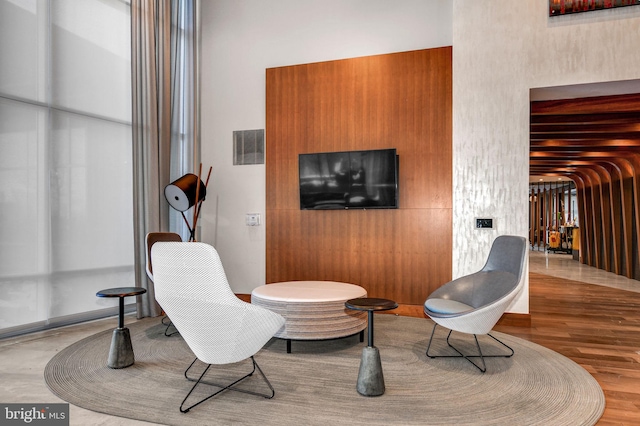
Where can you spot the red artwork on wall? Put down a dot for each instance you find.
(563, 7)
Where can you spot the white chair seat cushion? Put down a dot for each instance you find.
(446, 306)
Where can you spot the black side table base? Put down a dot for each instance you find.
(370, 377)
(121, 352)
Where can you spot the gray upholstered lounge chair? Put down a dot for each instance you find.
(218, 327)
(474, 303)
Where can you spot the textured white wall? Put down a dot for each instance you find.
(501, 50)
(241, 39)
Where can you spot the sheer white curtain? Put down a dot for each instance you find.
(65, 160)
(165, 118)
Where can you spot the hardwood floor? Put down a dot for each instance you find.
(598, 328)
(595, 326)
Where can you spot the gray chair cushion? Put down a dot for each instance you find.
(446, 306)
(477, 290)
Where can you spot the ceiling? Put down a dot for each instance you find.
(584, 130)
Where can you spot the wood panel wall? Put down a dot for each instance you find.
(400, 100)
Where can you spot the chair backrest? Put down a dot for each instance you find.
(192, 288)
(152, 238)
(502, 273)
(508, 253)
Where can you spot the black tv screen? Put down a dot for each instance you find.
(349, 180)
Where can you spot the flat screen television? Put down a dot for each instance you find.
(349, 180)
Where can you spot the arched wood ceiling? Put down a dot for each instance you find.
(595, 141)
(571, 137)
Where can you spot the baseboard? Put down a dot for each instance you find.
(515, 320)
(66, 320)
(245, 297)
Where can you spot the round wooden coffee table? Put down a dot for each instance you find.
(313, 310)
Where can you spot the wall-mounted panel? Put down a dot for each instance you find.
(400, 100)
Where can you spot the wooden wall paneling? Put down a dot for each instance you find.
(605, 213)
(577, 181)
(596, 216)
(545, 214)
(542, 221)
(558, 207)
(587, 244)
(584, 211)
(630, 165)
(614, 105)
(617, 217)
(635, 161)
(542, 235)
(532, 216)
(548, 213)
(533, 203)
(569, 206)
(553, 207)
(400, 100)
(626, 188)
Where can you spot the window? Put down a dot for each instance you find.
(65, 159)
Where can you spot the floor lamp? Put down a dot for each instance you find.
(186, 192)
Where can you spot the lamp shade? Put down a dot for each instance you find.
(181, 194)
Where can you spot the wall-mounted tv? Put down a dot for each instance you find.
(349, 180)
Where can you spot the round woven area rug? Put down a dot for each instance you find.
(316, 383)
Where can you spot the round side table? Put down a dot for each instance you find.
(121, 351)
(370, 377)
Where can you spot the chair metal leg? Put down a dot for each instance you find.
(223, 387)
(468, 357)
(166, 330)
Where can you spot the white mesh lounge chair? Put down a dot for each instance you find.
(150, 240)
(219, 328)
(473, 304)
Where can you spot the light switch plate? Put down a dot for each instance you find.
(484, 223)
(252, 219)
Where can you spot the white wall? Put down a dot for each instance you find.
(241, 39)
(501, 50)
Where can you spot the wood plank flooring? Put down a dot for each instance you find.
(598, 328)
(595, 326)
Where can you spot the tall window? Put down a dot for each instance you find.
(184, 57)
(65, 159)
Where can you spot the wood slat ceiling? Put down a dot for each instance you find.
(573, 137)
